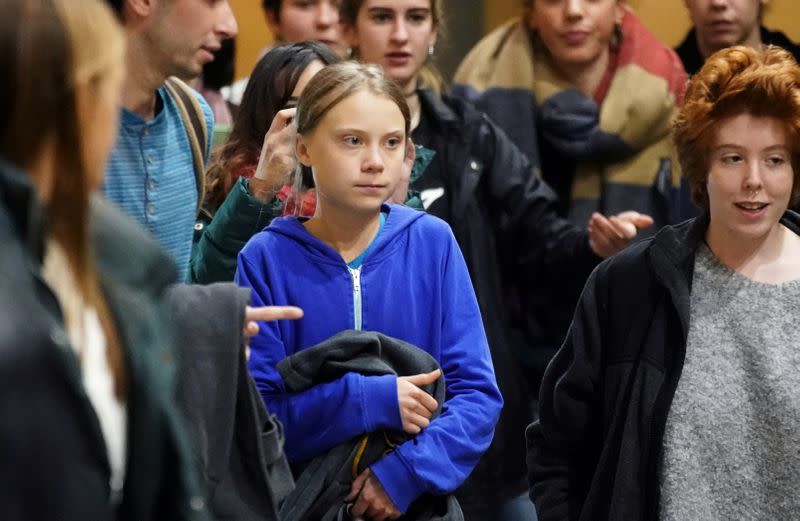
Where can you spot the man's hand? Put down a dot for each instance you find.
(369, 499)
(608, 236)
(276, 163)
(416, 406)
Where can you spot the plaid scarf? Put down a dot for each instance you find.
(619, 150)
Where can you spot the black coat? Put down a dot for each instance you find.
(595, 452)
(505, 222)
(53, 462)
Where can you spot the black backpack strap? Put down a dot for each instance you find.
(194, 122)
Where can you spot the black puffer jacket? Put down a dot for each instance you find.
(595, 452)
(504, 219)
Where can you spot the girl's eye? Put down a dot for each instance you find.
(731, 158)
(393, 142)
(382, 17)
(352, 140)
(775, 160)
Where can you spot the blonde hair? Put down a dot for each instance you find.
(50, 49)
(336, 82)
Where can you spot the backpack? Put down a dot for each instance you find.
(194, 122)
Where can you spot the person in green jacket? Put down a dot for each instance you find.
(245, 180)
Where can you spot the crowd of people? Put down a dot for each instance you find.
(556, 287)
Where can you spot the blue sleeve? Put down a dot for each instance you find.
(327, 414)
(440, 458)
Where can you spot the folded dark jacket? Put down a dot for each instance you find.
(324, 482)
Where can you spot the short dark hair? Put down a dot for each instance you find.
(273, 6)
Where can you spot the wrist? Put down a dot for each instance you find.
(262, 189)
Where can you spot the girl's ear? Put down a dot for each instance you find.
(301, 151)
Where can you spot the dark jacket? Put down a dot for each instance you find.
(238, 444)
(53, 459)
(689, 52)
(325, 480)
(595, 452)
(504, 219)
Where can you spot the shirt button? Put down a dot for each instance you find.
(151, 184)
(150, 160)
(151, 209)
(145, 132)
(474, 165)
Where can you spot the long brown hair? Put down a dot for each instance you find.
(268, 91)
(48, 49)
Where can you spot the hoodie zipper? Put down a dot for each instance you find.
(355, 274)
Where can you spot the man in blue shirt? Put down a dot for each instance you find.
(150, 173)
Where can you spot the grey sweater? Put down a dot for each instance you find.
(732, 440)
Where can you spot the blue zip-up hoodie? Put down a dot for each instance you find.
(413, 285)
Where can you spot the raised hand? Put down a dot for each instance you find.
(277, 162)
(416, 406)
(609, 235)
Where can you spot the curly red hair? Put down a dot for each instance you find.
(734, 81)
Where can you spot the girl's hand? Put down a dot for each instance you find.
(369, 498)
(416, 406)
(277, 163)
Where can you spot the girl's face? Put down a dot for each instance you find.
(394, 34)
(356, 153)
(575, 32)
(750, 177)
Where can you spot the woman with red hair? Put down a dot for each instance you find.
(675, 393)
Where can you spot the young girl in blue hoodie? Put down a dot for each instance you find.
(361, 264)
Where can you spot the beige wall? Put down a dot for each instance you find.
(667, 18)
(253, 34)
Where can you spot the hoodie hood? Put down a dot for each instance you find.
(398, 219)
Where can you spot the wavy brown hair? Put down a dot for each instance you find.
(733, 81)
(268, 91)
